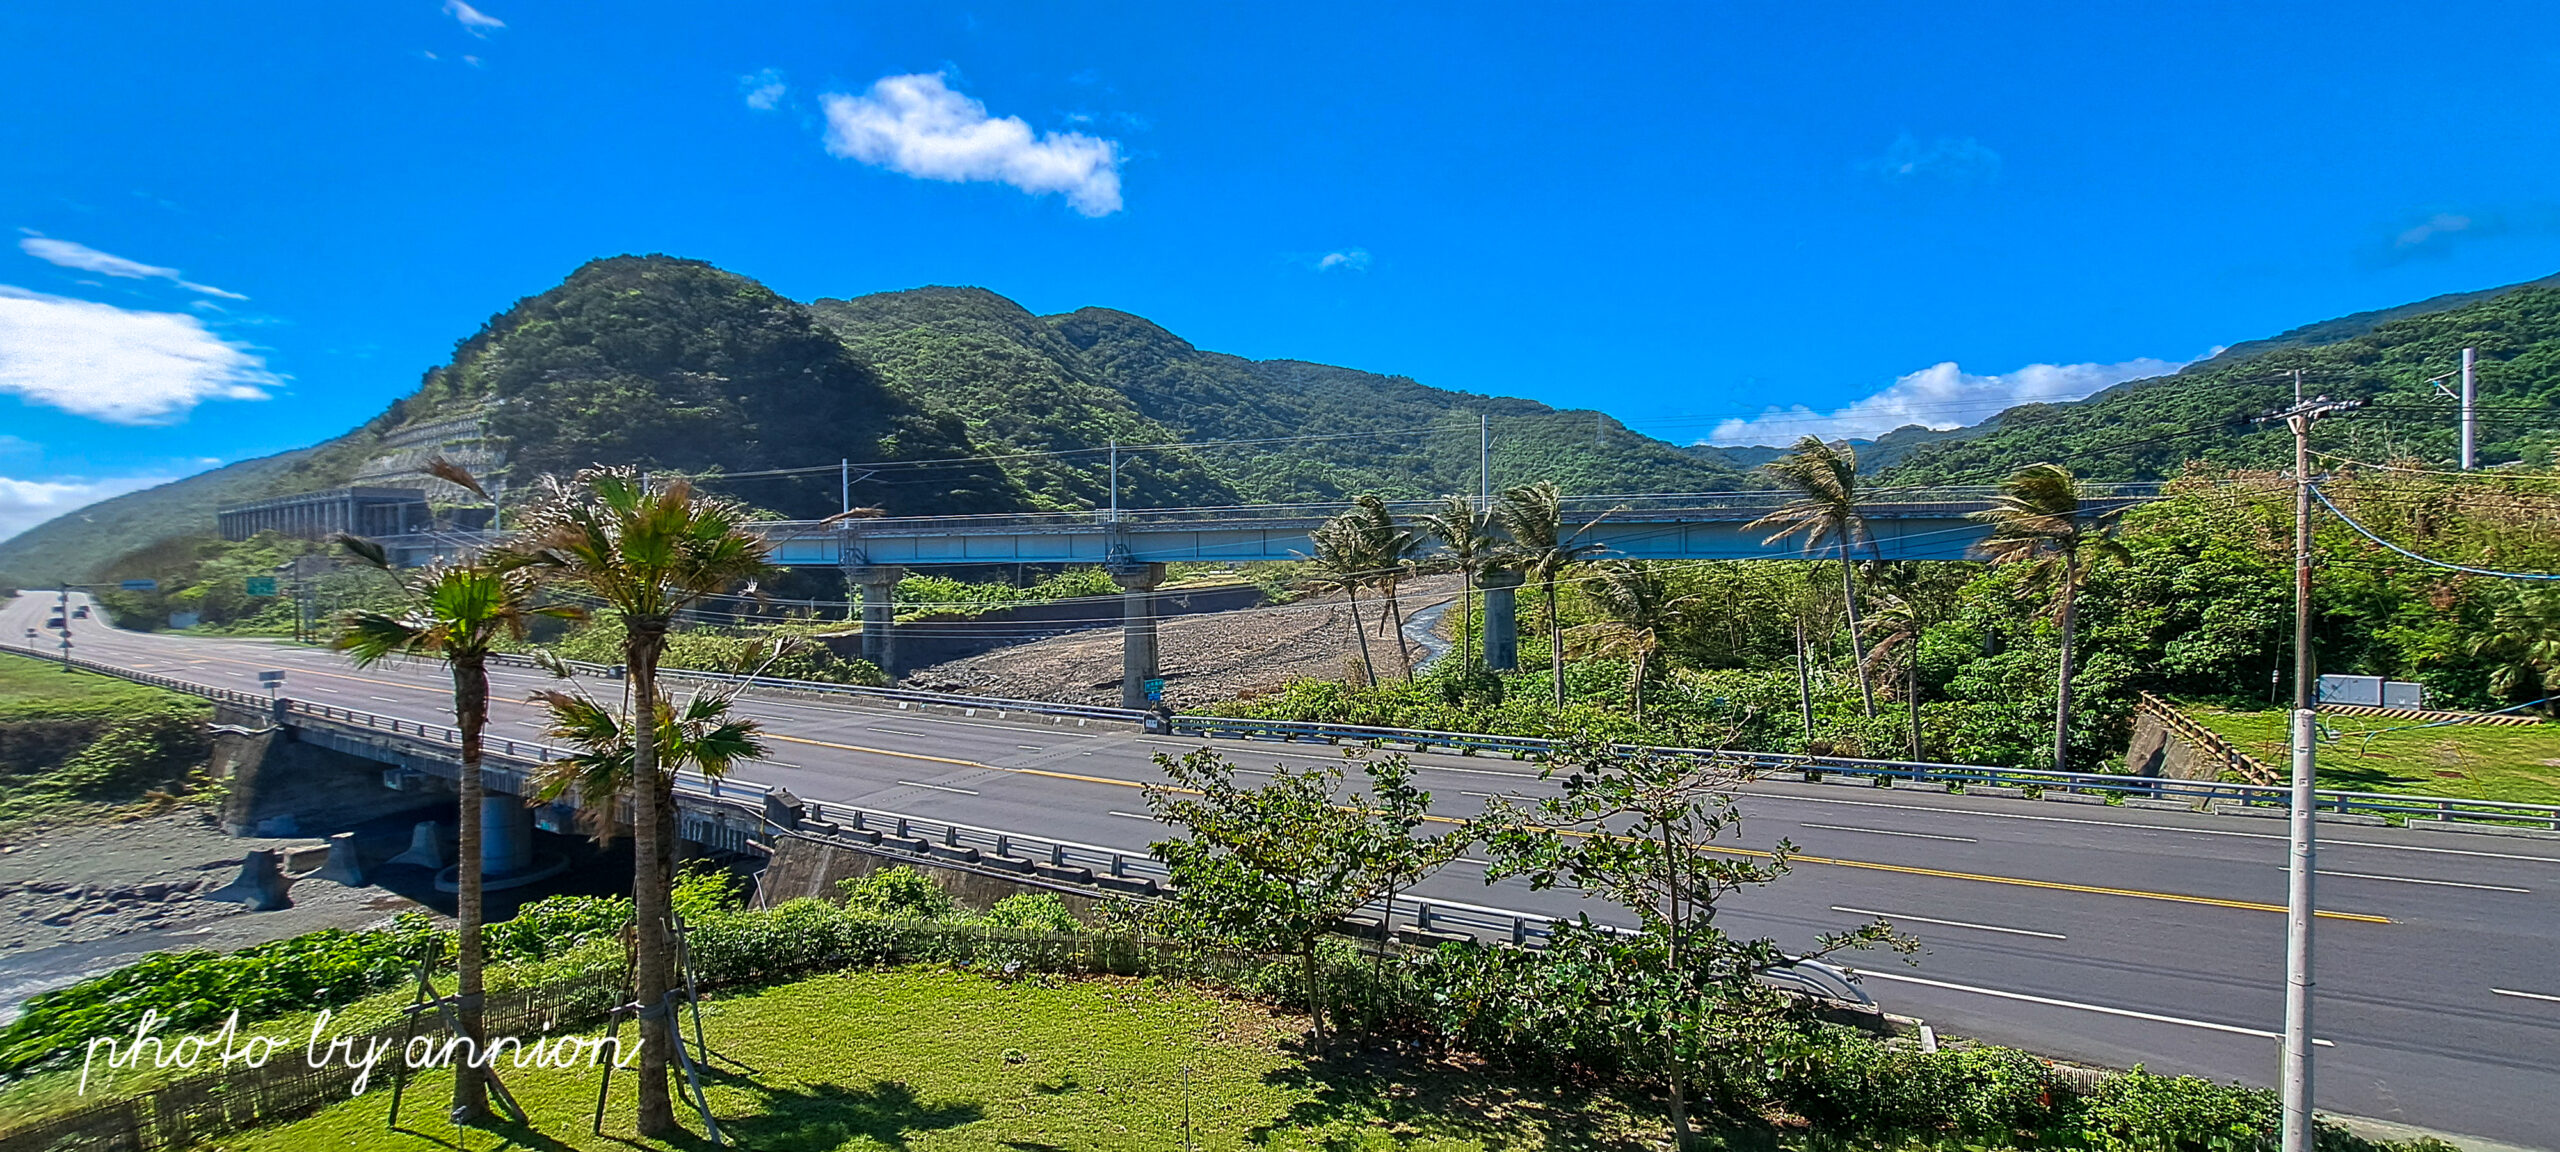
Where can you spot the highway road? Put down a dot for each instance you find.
(2109, 935)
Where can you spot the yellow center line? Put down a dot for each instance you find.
(1904, 869)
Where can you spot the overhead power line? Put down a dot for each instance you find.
(2369, 534)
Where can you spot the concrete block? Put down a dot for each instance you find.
(343, 865)
(1133, 885)
(1064, 873)
(1995, 790)
(2161, 805)
(955, 852)
(285, 825)
(906, 844)
(1007, 864)
(426, 847)
(261, 884)
(2470, 829)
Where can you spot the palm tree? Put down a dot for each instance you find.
(701, 735)
(1342, 565)
(2037, 522)
(1825, 475)
(1897, 627)
(1390, 548)
(457, 614)
(648, 551)
(1533, 516)
(1472, 539)
(1640, 607)
(2522, 641)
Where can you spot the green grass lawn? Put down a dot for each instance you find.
(926, 1059)
(2472, 761)
(37, 689)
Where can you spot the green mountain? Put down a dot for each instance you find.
(2149, 429)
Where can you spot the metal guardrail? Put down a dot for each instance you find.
(2201, 794)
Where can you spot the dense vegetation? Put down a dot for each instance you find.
(69, 741)
(2199, 607)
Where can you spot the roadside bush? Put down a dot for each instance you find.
(2139, 1112)
(1032, 912)
(899, 893)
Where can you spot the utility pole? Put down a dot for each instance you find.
(2303, 843)
(847, 482)
(2470, 410)
(1484, 456)
(1115, 480)
(63, 613)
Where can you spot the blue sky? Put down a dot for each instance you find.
(235, 229)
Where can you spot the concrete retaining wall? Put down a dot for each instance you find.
(270, 777)
(2158, 752)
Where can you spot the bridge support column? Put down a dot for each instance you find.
(1501, 620)
(506, 836)
(1137, 630)
(879, 612)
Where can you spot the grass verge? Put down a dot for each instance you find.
(2473, 761)
(922, 1058)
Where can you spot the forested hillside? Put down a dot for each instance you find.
(1074, 382)
(2150, 429)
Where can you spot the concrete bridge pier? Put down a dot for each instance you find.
(1501, 619)
(1137, 629)
(879, 584)
(506, 835)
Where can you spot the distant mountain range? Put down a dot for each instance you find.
(960, 400)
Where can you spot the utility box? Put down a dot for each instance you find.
(2372, 692)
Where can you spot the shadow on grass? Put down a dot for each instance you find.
(811, 1117)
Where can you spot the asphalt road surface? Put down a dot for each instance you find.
(2108, 935)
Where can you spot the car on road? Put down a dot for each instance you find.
(53, 622)
(80, 613)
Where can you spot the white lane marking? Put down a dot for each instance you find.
(389, 700)
(331, 691)
(937, 787)
(894, 731)
(1135, 815)
(1898, 916)
(1890, 832)
(2415, 880)
(1029, 747)
(1870, 974)
(2526, 995)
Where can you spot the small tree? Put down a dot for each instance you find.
(1476, 545)
(1279, 867)
(1637, 606)
(1635, 827)
(1389, 547)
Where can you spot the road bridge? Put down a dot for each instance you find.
(2111, 935)
(1135, 546)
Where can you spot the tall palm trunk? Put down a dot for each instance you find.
(1857, 642)
(1555, 639)
(1804, 680)
(650, 903)
(1467, 622)
(2068, 619)
(1395, 612)
(471, 715)
(1911, 693)
(1360, 631)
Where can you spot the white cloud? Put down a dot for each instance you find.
(87, 259)
(764, 89)
(124, 367)
(27, 503)
(473, 20)
(1355, 259)
(1941, 396)
(918, 126)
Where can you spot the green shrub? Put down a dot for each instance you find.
(138, 751)
(1032, 912)
(2140, 1112)
(899, 893)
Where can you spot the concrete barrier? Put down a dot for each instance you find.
(343, 865)
(426, 847)
(261, 884)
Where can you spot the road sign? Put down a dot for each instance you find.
(270, 679)
(1155, 689)
(140, 585)
(262, 585)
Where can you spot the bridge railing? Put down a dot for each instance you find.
(1881, 502)
(902, 697)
